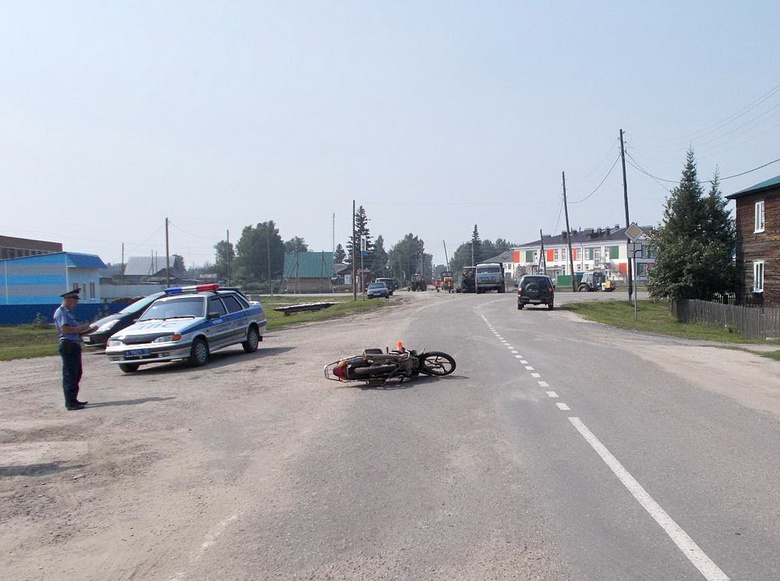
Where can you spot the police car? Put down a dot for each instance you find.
(188, 323)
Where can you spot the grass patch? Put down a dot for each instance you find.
(22, 341)
(345, 306)
(652, 317)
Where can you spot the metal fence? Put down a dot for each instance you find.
(752, 322)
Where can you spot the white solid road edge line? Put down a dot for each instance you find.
(685, 543)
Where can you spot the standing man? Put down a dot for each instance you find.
(70, 348)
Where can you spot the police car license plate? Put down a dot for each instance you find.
(137, 352)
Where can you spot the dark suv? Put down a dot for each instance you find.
(535, 289)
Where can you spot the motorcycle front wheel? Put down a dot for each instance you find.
(436, 363)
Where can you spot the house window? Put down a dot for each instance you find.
(758, 276)
(759, 218)
(556, 255)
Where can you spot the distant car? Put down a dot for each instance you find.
(114, 323)
(188, 323)
(377, 289)
(535, 289)
(390, 283)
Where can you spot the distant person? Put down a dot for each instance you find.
(70, 348)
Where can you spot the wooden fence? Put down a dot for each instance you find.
(750, 322)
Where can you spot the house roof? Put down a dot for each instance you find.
(144, 266)
(308, 264)
(74, 259)
(506, 256)
(586, 236)
(758, 188)
(85, 260)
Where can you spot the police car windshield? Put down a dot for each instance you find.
(189, 307)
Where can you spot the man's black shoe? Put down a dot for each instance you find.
(81, 402)
(75, 407)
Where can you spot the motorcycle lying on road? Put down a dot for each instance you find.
(375, 366)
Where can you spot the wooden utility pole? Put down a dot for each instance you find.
(628, 222)
(167, 257)
(227, 258)
(568, 232)
(354, 256)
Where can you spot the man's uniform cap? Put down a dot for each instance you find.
(74, 294)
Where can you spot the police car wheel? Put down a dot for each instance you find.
(129, 367)
(252, 339)
(199, 354)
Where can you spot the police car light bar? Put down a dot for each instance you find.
(177, 290)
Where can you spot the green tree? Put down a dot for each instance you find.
(356, 245)
(178, 264)
(379, 258)
(224, 259)
(476, 245)
(254, 249)
(407, 257)
(296, 244)
(339, 255)
(693, 245)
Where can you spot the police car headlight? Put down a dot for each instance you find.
(114, 343)
(167, 338)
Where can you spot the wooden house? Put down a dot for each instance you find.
(758, 243)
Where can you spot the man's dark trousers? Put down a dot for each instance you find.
(71, 371)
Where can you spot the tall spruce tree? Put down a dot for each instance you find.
(361, 231)
(693, 245)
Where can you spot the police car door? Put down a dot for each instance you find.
(237, 312)
(219, 327)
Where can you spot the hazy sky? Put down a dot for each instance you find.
(433, 115)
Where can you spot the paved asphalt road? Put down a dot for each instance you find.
(559, 449)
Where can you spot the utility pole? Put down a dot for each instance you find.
(354, 256)
(268, 259)
(167, 257)
(568, 232)
(227, 258)
(628, 222)
(542, 255)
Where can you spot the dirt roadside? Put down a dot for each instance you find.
(113, 491)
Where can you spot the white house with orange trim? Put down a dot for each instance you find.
(604, 249)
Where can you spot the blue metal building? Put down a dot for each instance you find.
(40, 280)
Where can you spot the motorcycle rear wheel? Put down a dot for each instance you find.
(436, 363)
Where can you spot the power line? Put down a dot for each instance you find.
(601, 183)
(635, 164)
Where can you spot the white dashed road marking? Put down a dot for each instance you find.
(685, 543)
(689, 548)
